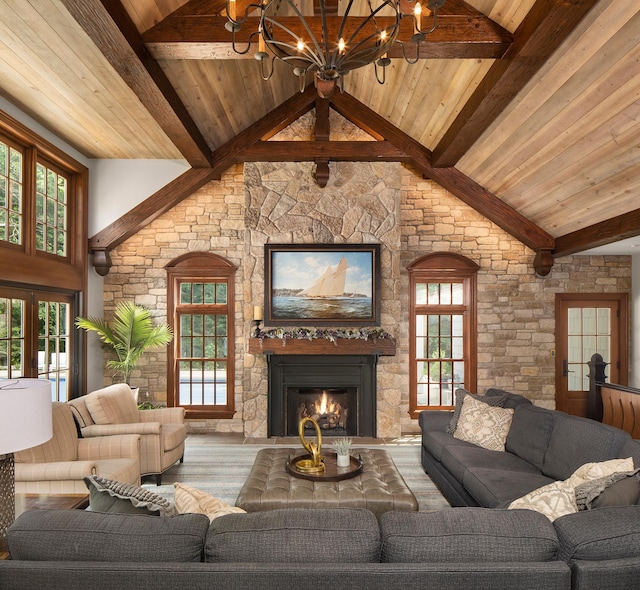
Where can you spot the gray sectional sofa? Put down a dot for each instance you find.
(478, 545)
(601, 545)
(542, 446)
(297, 549)
(338, 548)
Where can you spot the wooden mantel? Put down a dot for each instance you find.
(378, 346)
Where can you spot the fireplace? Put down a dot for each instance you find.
(335, 409)
(339, 391)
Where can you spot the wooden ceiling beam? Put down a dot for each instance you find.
(192, 32)
(109, 26)
(546, 26)
(612, 230)
(292, 109)
(451, 179)
(334, 151)
(322, 130)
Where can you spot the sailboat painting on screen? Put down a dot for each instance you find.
(322, 285)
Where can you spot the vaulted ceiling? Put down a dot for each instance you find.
(528, 110)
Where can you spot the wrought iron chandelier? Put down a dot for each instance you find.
(339, 44)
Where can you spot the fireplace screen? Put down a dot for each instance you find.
(334, 409)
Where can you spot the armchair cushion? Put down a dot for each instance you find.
(173, 436)
(112, 405)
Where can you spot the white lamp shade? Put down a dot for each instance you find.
(25, 414)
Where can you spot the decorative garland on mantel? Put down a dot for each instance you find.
(330, 334)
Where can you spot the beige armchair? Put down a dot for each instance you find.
(58, 466)
(113, 410)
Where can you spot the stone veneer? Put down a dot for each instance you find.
(386, 203)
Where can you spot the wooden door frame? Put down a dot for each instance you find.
(623, 334)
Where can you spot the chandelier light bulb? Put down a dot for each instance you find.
(333, 45)
(231, 9)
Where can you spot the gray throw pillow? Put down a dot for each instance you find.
(616, 490)
(494, 400)
(107, 495)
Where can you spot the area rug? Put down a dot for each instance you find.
(221, 469)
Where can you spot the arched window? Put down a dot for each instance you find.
(442, 330)
(201, 312)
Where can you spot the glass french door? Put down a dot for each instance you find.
(36, 337)
(587, 324)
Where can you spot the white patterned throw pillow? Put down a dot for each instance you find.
(483, 425)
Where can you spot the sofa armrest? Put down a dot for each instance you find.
(163, 415)
(124, 446)
(55, 471)
(435, 420)
(599, 534)
(128, 428)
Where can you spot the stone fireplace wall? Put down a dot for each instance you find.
(386, 203)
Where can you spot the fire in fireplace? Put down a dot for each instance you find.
(326, 410)
(334, 409)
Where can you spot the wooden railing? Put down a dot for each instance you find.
(616, 405)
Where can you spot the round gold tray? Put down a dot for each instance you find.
(331, 470)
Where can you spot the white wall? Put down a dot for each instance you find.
(116, 186)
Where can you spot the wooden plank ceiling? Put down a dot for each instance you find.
(528, 110)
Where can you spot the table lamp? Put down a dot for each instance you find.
(25, 422)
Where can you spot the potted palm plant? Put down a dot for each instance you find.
(128, 335)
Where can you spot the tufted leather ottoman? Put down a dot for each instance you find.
(379, 487)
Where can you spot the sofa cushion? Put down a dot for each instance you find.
(464, 535)
(189, 499)
(338, 535)
(483, 425)
(498, 487)
(461, 395)
(605, 534)
(436, 442)
(106, 495)
(79, 535)
(112, 405)
(530, 432)
(457, 459)
(576, 441)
